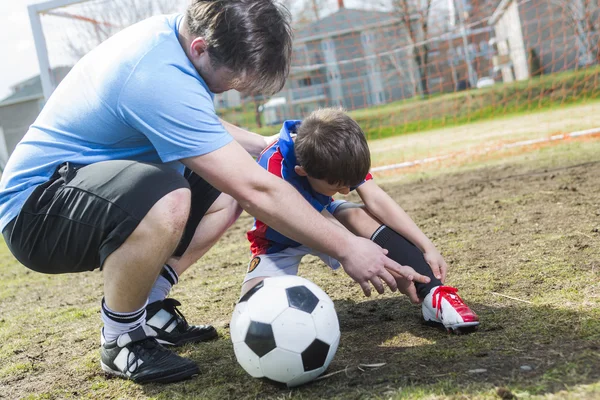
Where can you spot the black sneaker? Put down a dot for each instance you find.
(171, 326)
(138, 356)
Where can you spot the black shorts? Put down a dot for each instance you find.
(73, 222)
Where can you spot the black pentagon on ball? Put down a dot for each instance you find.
(315, 355)
(301, 298)
(260, 338)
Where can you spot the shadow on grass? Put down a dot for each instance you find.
(525, 348)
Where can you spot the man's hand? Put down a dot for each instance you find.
(368, 265)
(437, 263)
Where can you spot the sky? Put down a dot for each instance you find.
(18, 60)
(17, 51)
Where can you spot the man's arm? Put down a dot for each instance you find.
(276, 203)
(386, 210)
(252, 142)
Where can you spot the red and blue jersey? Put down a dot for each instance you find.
(280, 159)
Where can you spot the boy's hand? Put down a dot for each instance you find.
(437, 263)
(408, 288)
(367, 263)
(269, 140)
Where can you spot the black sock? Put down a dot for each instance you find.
(405, 253)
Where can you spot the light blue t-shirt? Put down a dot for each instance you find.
(135, 97)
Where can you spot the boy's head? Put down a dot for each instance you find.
(331, 151)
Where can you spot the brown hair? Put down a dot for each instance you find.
(252, 38)
(331, 146)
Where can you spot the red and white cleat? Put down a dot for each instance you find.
(443, 306)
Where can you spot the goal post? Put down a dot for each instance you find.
(41, 48)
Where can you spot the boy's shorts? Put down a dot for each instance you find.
(285, 262)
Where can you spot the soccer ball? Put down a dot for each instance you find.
(285, 329)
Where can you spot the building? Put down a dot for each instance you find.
(563, 34)
(229, 99)
(358, 58)
(19, 110)
(351, 58)
(461, 56)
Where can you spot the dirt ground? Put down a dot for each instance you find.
(521, 234)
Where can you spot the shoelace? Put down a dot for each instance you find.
(141, 351)
(448, 293)
(170, 305)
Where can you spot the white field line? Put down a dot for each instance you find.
(487, 150)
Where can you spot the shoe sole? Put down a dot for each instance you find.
(169, 378)
(211, 335)
(465, 327)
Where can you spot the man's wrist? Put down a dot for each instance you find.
(345, 248)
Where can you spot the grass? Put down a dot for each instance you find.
(522, 223)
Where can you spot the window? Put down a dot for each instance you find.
(305, 82)
(483, 47)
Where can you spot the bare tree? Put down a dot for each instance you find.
(415, 16)
(583, 16)
(96, 22)
(309, 11)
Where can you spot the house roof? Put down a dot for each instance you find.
(343, 20)
(32, 88)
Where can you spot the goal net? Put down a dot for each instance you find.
(400, 66)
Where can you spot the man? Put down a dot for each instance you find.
(99, 182)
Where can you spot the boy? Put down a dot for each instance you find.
(328, 155)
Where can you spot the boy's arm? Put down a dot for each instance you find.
(252, 142)
(386, 210)
(275, 202)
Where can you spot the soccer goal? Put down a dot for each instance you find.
(65, 30)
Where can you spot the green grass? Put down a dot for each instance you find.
(457, 109)
(547, 92)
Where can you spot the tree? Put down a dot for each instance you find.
(96, 22)
(418, 33)
(583, 16)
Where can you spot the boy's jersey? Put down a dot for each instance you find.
(280, 159)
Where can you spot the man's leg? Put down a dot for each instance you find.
(212, 212)
(129, 346)
(130, 271)
(219, 217)
(126, 217)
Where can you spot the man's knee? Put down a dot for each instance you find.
(169, 215)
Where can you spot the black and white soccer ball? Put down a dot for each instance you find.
(285, 329)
